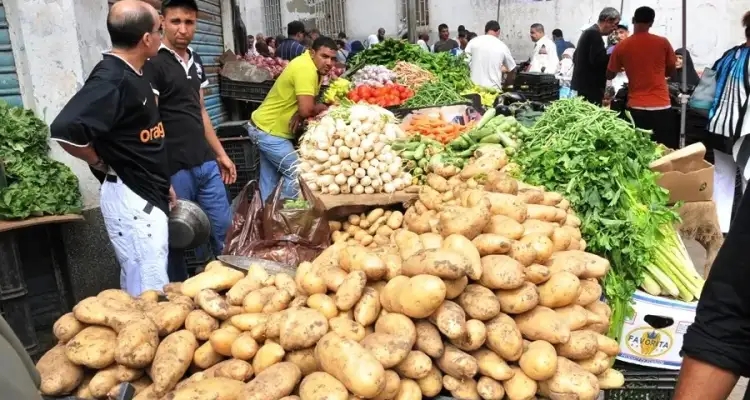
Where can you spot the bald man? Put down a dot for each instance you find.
(113, 124)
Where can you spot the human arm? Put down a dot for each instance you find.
(91, 113)
(614, 66)
(509, 67)
(305, 82)
(597, 53)
(716, 346)
(671, 58)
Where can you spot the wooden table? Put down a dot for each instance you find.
(342, 205)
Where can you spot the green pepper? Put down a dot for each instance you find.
(494, 138)
(419, 152)
(458, 144)
(407, 155)
(478, 134)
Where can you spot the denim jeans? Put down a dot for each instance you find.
(278, 159)
(203, 185)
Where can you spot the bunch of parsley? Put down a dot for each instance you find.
(600, 163)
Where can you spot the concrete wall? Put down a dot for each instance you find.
(713, 25)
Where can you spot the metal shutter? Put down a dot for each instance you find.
(209, 43)
(10, 90)
(330, 17)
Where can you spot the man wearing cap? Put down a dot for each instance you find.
(291, 47)
(198, 165)
(113, 124)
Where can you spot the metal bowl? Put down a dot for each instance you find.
(189, 226)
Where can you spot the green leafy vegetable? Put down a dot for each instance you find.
(296, 204)
(435, 94)
(600, 163)
(37, 185)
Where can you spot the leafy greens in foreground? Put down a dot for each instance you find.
(37, 185)
(600, 163)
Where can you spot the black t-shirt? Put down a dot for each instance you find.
(115, 111)
(590, 60)
(178, 85)
(445, 45)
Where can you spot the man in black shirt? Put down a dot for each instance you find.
(291, 47)
(113, 124)
(716, 347)
(590, 59)
(198, 165)
(444, 43)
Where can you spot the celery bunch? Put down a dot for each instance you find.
(672, 271)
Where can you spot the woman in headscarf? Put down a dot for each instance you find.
(684, 60)
(729, 118)
(357, 46)
(565, 73)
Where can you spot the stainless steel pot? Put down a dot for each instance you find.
(189, 226)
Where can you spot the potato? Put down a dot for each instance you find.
(466, 248)
(92, 347)
(324, 304)
(117, 295)
(419, 223)
(58, 375)
(216, 277)
(180, 298)
(450, 319)
(520, 386)
(274, 383)
(476, 333)
(431, 240)
(213, 388)
(395, 220)
(201, 324)
(591, 291)
(545, 213)
(539, 361)
(320, 385)
(531, 196)
(607, 345)
(491, 243)
(582, 345)
(542, 323)
(570, 380)
(454, 287)
(397, 324)
(457, 363)
(254, 279)
(304, 359)
(611, 379)
(420, 296)
(519, 300)
(428, 339)
(358, 258)
(393, 264)
(169, 316)
(500, 182)
(541, 244)
(409, 390)
(346, 328)
(301, 328)
(597, 364)
(537, 274)
(350, 363)
(244, 347)
(504, 338)
(501, 272)
(507, 205)
(445, 264)
(172, 360)
(431, 384)
(416, 365)
(104, 380)
(490, 364)
(205, 356)
(66, 327)
(269, 354)
(561, 239)
(408, 243)
(368, 307)
(504, 226)
(522, 252)
(312, 282)
(464, 221)
(535, 226)
(600, 308)
(575, 316)
(279, 301)
(222, 339)
(490, 389)
(560, 290)
(333, 277)
(233, 369)
(214, 304)
(584, 265)
(461, 389)
(389, 350)
(350, 290)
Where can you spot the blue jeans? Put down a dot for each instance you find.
(203, 185)
(278, 159)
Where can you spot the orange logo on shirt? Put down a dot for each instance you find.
(157, 132)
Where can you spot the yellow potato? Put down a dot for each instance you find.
(92, 347)
(350, 290)
(324, 304)
(58, 375)
(268, 355)
(457, 363)
(542, 323)
(416, 365)
(570, 380)
(428, 339)
(501, 272)
(431, 384)
(504, 226)
(582, 345)
(539, 361)
(275, 382)
(504, 337)
(304, 359)
(351, 364)
(66, 327)
(409, 390)
(209, 388)
(465, 247)
(215, 277)
(392, 385)
(301, 328)
(367, 309)
(244, 347)
(465, 388)
(519, 386)
(397, 324)
(205, 356)
(221, 340)
(490, 364)
(445, 264)
(201, 324)
(562, 289)
(491, 243)
(172, 360)
(454, 287)
(389, 350)
(320, 385)
(490, 389)
(450, 319)
(347, 328)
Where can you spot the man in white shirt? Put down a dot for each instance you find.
(490, 58)
(372, 40)
(544, 57)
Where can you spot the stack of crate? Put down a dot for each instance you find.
(537, 86)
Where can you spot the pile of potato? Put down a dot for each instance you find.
(483, 292)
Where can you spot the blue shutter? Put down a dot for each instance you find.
(10, 90)
(209, 43)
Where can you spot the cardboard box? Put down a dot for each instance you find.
(686, 175)
(653, 336)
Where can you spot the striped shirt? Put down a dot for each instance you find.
(288, 49)
(729, 115)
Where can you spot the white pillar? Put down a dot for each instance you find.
(56, 44)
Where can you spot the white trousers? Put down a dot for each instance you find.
(140, 238)
(725, 173)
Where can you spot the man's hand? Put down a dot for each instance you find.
(227, 169)
(172, 198)
(294, 123)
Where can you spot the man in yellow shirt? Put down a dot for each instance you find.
(290, 101)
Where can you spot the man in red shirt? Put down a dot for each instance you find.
(647, 59)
